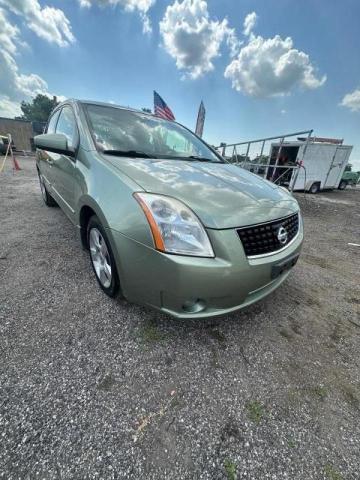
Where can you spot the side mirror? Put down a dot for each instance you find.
(53, 142)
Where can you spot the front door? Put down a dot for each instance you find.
(64, 166)
(46, 157)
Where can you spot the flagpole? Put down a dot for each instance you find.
(200, 120)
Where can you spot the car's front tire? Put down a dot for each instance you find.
(48, 199)
(102, 258)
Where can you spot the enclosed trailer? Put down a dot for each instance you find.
(322, 164)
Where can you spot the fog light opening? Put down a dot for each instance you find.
(194, 306)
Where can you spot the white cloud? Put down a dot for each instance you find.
(9, 34)
(14, 85)
(192, 38)
(249, 23)
(48, 23)
(260, 68)
(9, 108)
(131, 5)
(271, 67)
(140, 6)
(352, 100)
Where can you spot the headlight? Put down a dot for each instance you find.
(175, 228)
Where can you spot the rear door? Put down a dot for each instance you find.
(337, 167)
(317, 161)
(64, 166)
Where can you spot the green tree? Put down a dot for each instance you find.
(147, 110)
(39, 109)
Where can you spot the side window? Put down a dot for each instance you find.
(67, 126)
(52, 123)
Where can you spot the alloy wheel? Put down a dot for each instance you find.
(100, 257)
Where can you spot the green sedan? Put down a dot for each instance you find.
(167, 221)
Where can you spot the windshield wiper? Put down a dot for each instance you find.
(201, 159)
(128, 153)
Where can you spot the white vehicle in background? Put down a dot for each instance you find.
(296, 162)
(322, 161)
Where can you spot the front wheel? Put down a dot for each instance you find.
(102, 258)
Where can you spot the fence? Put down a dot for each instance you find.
(250, 155)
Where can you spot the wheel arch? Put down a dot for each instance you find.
(87, 209)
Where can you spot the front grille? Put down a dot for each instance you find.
(263, 238)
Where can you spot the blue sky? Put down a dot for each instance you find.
(293, 66)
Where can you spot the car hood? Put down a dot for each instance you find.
(221, 194)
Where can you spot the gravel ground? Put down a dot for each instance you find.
(97, 388)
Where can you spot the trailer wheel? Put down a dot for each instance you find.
(342, 185)
(315, 187)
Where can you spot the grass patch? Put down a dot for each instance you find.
(215, 358)
(337, 334)
(294, 397)
(107, 383)
(256, 411)
(286, 334)
(351, 395)
(217, 335)
(176, 402)
(150, 333)
(319, 392)
(291, 442)
(230, 469)
(296, 328)
(331, 473)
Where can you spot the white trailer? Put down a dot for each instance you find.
(322, 164)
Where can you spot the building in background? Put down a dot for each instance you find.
(22, 132)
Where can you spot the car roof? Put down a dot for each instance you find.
(103, 104)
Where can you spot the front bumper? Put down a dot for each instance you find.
(221, 285)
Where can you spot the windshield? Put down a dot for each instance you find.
(123, 131)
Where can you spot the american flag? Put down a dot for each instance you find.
(161, 109)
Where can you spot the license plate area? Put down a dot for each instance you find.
(284, 266)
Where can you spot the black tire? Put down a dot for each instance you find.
(113, 288)
(315, 188)
(342, 185)
(48, 199)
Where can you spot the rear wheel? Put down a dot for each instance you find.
(102, 258)
(343, 185)
(48, 199)
(315, 187)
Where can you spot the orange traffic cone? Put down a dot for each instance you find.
(16, 163)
